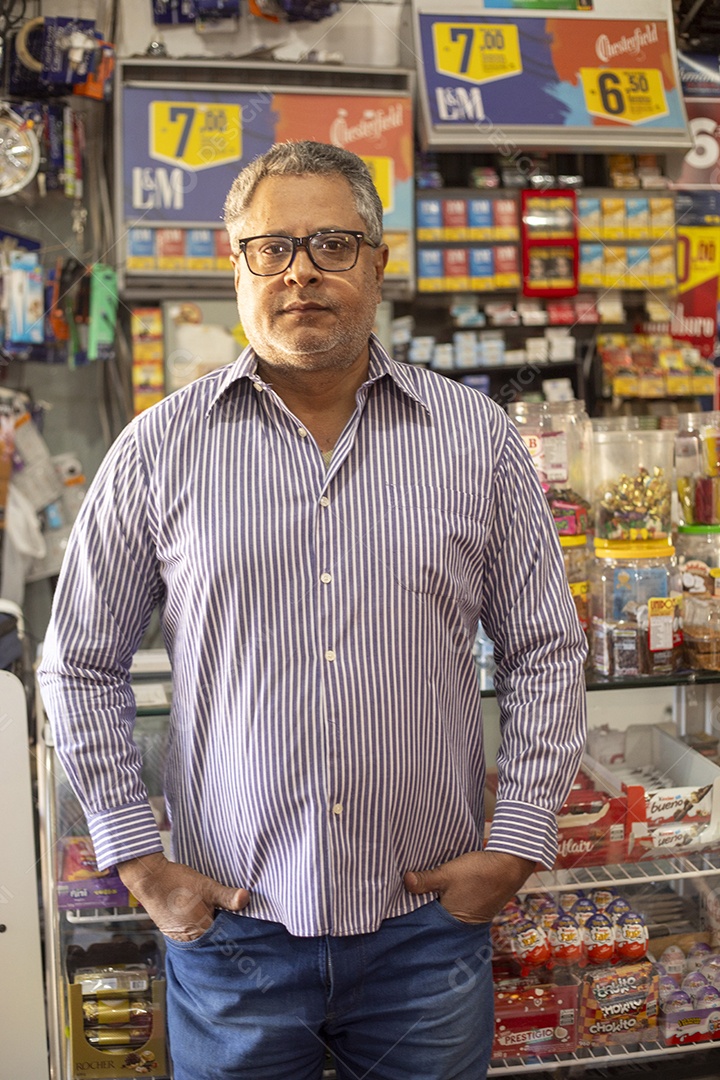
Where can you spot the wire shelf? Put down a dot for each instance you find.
(591, 1057)
(700, 864)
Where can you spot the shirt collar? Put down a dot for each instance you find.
(380, 366)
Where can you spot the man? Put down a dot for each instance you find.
(322, 529)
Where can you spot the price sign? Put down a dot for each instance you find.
(383, 174)
(626, 95)
(477, 52)
(195, 135)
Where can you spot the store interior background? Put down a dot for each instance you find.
(87, 407)
(90, 405)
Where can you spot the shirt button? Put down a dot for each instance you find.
(324, 501)
(329, 655)
(302, 432)
(258, 387)
(326, 578)
(337, 808)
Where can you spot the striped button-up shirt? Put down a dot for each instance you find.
(326, 727)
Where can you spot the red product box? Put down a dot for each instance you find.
(561, 312)
(455, 214)
(618, 1005)
(535, 1015)
(223, 250)
(506, 259)
(170, 248)
(593, 822)
(506, 220)
(456, 268)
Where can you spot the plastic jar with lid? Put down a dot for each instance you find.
(633, 483)
(697, 467)
(698, 551)
(635, 609)
(575, 557)
(558, 436)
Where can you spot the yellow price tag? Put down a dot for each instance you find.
(477, 52)
(382, 170)
(196, 135)
(628, 95)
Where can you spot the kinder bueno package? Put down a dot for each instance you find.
(618, 1005)
(535, 1015)
(673, 791)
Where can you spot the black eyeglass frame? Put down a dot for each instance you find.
(302, 242)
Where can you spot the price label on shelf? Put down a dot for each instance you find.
(477, 52)
(626, 95)
(195, 135)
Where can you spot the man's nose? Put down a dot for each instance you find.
(302, 269)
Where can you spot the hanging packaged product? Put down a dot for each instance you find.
(558, 437)
(698, 550)
(635, 601)
(697, 462)
(633, 475)
(574, 552)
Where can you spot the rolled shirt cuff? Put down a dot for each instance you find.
(525, 830)
(123, 833)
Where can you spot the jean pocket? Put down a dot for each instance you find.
(448, 917)
(209, 935)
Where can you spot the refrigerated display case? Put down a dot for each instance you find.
(104, 956)
(678, 894)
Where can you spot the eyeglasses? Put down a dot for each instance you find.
(329, 249)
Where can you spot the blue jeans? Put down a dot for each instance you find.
(412, 1001)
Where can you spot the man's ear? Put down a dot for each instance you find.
(382, 254)
(235, 260)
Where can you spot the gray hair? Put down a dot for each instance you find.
(302, 159)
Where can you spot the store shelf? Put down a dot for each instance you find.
(636, 682)
(698, 864)
(589, 1057)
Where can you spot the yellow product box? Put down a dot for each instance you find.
(638, 267)
(662, 216)
(662, 266)
(652, 384)
(613, 218)
(703, 383)
(400, 257)
(592, 265)
(134, 1050)
(589, 217)
(637, 219)
(147, 352)
(679, 383)
(146, 322)
(626, 385)
(615, 269)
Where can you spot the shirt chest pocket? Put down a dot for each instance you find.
(434, 539)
